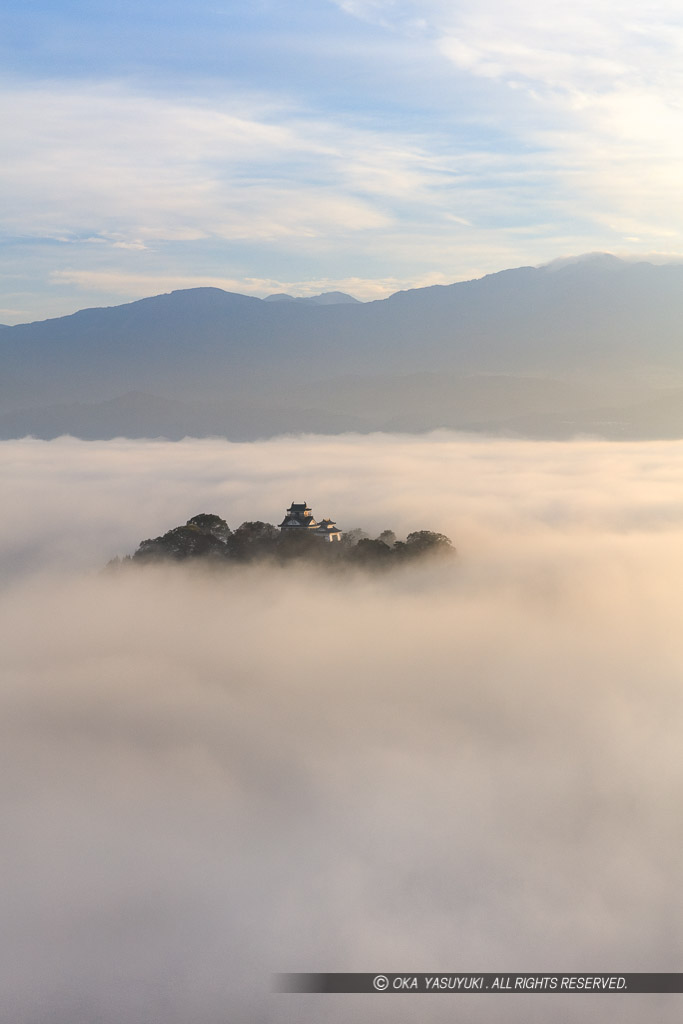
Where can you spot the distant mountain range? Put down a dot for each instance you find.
(326, 299)
(587, 346)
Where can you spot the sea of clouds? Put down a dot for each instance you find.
(208, 777)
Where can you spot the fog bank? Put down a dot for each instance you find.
(209, 777)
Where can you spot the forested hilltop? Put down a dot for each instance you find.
(209, 538)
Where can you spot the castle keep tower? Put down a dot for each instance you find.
(300, 517)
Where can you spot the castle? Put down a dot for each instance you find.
(300, 517)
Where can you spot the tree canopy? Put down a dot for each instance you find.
(209, 538)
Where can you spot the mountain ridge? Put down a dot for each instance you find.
(609, 329)
(562, 263)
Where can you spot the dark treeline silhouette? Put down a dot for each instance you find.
(209, 538)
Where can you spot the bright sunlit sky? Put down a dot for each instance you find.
(361, 145)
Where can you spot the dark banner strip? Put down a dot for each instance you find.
(470, 984)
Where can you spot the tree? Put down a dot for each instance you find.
(252, 540)
(371, 553)
(423, 542)
(351, 537)
(301, 544)
(212, 525)
(181, 543)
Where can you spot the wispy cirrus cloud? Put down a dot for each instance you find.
(594, 88)
(585, 48)
(110, 161)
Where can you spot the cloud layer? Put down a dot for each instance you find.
(209, 778)
(387, 143)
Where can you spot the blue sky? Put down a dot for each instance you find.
(365, 145)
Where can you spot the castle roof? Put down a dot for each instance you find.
(299, 516)
(328, 526)
(299, 506)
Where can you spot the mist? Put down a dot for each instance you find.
(212, 776)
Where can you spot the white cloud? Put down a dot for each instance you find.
(138, 168)
(596, 93)
(208, 778)
(557, 131)
(136, 172)
(132, 284)
(581, 48)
